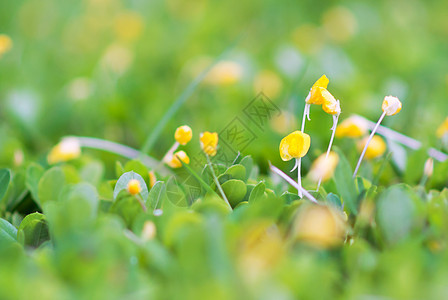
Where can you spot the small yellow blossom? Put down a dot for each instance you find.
(183, 134)
(376, 147)
(391, 105)
(320, 226)
(294, 145)
(5, 44)
(323, 167)
(134, 187)
(174, 161)
(352, 127)
(69, 148)
(331, 105)
(443, 129)
(315, 95)
(209, 142)
(269, 83)
(225, 73)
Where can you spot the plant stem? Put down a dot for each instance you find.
(367, 144)
(333, 129)
(215, 179)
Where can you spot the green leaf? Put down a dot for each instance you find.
(8, 233)
(157, 196)
(92, 172)
(345, 184)
(235, 190)
(257, 193)
(198, 178)
(33, 230)
(34, 173)
(5, 178)
(122, 184)
(237, 172)
(289, 197)
(175, 194)
(248, 164)
(50, 185)
(126, 206)
(334, 200)
(395, 214)
(138, 167)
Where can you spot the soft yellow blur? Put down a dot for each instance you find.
(320, 226)
(175, 161)
(323, 167)
(225, 73)
(443, 129)
(352, 127)
(134, 187)
(128, 26)
(5, 44)
(339, 24)
(269, 83)
(376, 147)
(69, 148)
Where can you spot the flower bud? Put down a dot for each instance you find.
(175, 160)
(183, 134)
(391, 105)
(134, 187)
(209, 142)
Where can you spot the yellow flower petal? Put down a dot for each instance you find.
(315, 95)
(209, 142)
(295, 145)
(183, 134)
(330, 105)
(376, 147)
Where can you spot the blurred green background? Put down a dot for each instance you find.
(111, 69)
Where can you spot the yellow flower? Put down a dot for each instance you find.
(331, 105)
(320, 226)
(209, 142)
(183, 134)
(391, 105)
(5, 44)
(175, 160)
(134, 187)
(352, 127)
(443, 129)
(376, 147)
(315, 95)
(323, 167)
(69, 148)
(294, 145)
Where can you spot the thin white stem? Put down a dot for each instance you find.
(333, 129)
(405, 140)
(367, 144)
(299, 177)
(292, 182)
(215, 179)
(119, 149)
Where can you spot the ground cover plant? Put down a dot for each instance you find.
(274, 162)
